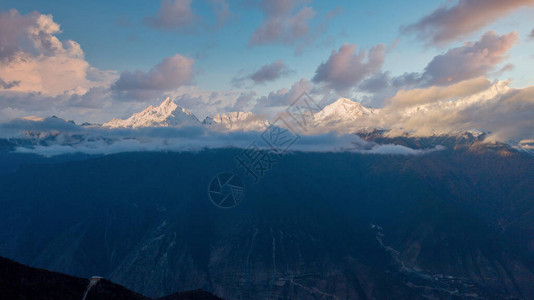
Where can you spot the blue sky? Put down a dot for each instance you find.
(116, 36)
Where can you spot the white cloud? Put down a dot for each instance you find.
(34, 59)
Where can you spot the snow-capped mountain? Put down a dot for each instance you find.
(167, 114)
(237, 121)
(342, 111)
(448, 116)
(343, 116)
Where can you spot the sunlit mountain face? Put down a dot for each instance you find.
(213, 149)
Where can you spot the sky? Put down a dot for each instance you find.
(96, 60)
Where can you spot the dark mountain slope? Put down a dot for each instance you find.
(22, 282)
(317, 226)
(18, 281)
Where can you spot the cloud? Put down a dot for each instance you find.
(532, 34)
(266, 73)
(172, 14)
(376, 83)
(270, 72)
(209, 103)
(471, 60)
(54, 136)
(283, 97)
(243, 102)
(178, 15)
(8, 85)
(34, 59)
(439, 93)
(446, 24)
(171, 73)
(286, 22)
(503, 112)
(345, 68)
(221, 9)
(96, 105)
(391, 149)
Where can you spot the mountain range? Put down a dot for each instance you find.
(343, 115)
(169, 126)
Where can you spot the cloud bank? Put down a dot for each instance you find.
(54, 136)
(447, 24)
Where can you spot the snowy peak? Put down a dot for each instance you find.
(167, 114)
(342, 110)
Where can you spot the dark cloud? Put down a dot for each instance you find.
(12, 26)
(266, 73)
(506, 68)
(173, 14)
(283, 97)
(270, 72)
(45, 124)
(345, 68)
(79, 106)
(179, 15)
(10, 84)
(243, 101)
(286, 21)
(171, 73)
(446, 24)
(376, 83)
(189, 101)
